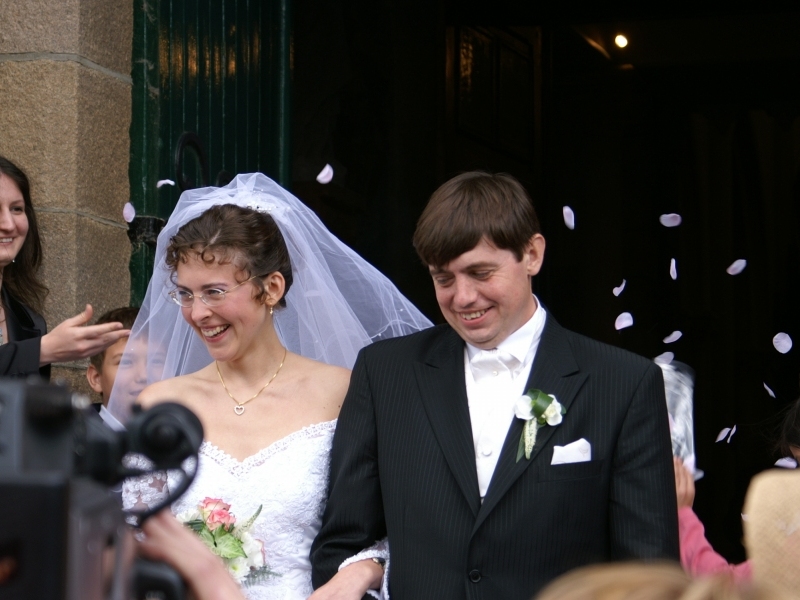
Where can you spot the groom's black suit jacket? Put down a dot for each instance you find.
(403, 464)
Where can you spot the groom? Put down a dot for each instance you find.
(428, 447)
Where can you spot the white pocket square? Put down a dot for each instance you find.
(580, 451)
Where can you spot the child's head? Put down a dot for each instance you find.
(103, 367)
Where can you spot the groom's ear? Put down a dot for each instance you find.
(534, 254)
(274, 286)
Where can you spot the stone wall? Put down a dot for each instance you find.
(65, 112)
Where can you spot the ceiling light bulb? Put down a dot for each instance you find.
(621, 41)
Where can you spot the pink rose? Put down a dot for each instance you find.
(207, 505)
(220, 517)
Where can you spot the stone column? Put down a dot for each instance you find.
(65, 112)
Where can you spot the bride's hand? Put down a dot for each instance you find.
(352, 582)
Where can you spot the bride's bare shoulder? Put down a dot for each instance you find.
(328, 383)
(176, 389)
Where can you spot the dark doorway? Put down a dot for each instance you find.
(699, 115)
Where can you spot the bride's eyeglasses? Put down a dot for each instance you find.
(213, 297)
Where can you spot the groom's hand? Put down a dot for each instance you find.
(352, 582)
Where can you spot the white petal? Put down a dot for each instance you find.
(787, 462)
(128, 212)
(161, 182)
(569, 217)
(623, 321)
(619, 288)
(670, 220)
(730, 437)
(326, 175)
(664, 358)
(769, 391)
(673, 269)
(782, 342)
(723, 434)
(673, 337)
(736, 267)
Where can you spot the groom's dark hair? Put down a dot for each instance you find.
(472, 206)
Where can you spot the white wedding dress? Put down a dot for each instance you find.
(288, 479)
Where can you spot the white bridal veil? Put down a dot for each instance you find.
(338, 302)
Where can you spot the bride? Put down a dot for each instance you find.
(256, 312)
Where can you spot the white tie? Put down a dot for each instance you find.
(490, 363)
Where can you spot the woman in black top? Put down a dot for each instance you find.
(25, 346)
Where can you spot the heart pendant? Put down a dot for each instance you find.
(238, 409)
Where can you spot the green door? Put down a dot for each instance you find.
(210, 100)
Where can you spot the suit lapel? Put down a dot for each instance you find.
(555, 372)
(440, 376)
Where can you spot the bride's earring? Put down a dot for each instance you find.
(270, 310)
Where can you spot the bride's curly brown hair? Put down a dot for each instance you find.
(230, 234)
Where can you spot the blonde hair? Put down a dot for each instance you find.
(772, 528)
(648, 581)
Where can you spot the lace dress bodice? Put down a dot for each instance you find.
(288, 479)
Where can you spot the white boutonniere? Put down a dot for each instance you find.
(536, 408)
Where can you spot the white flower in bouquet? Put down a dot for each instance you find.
(239, 568)
(254, 549)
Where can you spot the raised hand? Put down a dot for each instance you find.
(684, 484)
(73, 339)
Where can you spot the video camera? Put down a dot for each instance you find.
(63, 534)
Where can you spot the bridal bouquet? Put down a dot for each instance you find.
(242, 553)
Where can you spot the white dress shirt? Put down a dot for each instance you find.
(495, 380)
(110, 419)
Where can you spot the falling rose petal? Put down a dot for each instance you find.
(786, 462)
(161, 182)
(664, 358)
(769, 391)
(730, 437)
(673, 337)
(723, 434)
(326, 175)
(736, 267)
(670, 220)
(569, 217)
(619, 288)
(623, 321)
(782, 342)
(128, 213)
(673, 269)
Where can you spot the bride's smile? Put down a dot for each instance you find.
(233, 325)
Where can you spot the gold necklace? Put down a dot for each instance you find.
(239, 408)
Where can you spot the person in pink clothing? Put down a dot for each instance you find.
(697, 556)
